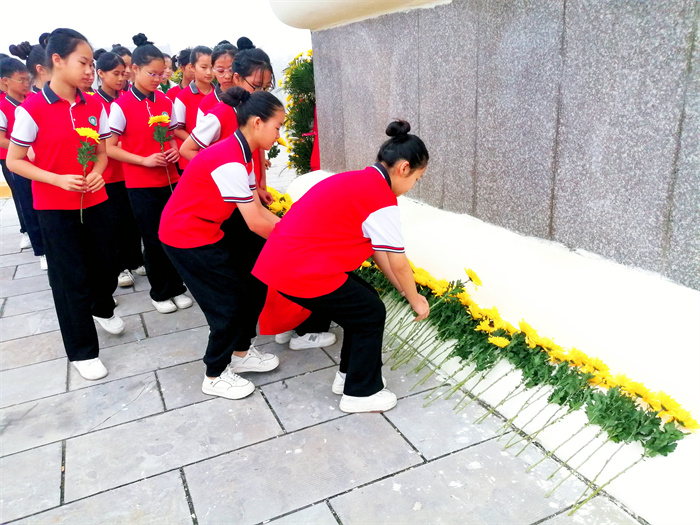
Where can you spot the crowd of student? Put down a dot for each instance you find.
(195, 201)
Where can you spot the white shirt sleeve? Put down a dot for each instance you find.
(200, 115)
(383, 228)
(208, 131)
(117, 120)
(179, 113)
(252, 182)
(104, 130)
(3, 121)
(25, 129)
(174, 121)
(233, 182)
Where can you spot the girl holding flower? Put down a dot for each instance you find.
(138, 120)
(219, 186)
(69, 197)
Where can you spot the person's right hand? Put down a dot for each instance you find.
(420, 306)
(155, 160)
(71, 182)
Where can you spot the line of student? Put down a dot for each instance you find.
(209, 227)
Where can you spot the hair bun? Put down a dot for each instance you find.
(21, 50)
(244, 43)
(235, 96)
(44, 39)
(98, 53)
(398, 128)
(140, 40)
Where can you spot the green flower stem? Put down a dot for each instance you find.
(592, 482)
(445, 385)
(82, 195)
(552, 452)
(504, 428)
(475, 395)
(575, 469)
(572, 456)
(517, 390)
(589, 498)
(547, 424)
(508, 444)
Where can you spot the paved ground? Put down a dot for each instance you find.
(144, 445)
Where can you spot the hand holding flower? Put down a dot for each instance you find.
(172, 155)
(155, 160)
(94, 182)
(70, 182)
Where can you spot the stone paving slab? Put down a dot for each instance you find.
(166, 441)
(31, 323)
(35, 482)
(160, 324)
(22, 286)
(133, 303)
(157, 500)
(7, 273)
(31, 382)
(37, 423)
(9, 243)
(304, 400)
(133, 331)
(29, 270)
(31, 350)
(30, 302)
(295, 470)
(145, 355)
(14, 259)
(482, 485)
(292, 363)
(181, 385)
(318, 514)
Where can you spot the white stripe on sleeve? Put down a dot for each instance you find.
(104, 130)
(3, 121)
(383, 228)
(232, 181)
(179, 113)
(25, 129)
(207, 132)
(117, 120)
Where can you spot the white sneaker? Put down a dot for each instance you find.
(164, 307)
(284, 337)
(141, 270)
(125, 279)
(254, 361)
(182, 301)
(228, 385)
(25, 242)
(379, 402)
(339, 382)
(114, 325)
(91, 369)
(42, 263)
(319, 340)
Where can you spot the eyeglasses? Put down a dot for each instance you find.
(155, 75)
(225, 72)
(25, 82)
(259, 88)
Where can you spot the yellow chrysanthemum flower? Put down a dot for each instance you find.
(475, 311)
(473, 277)
(667, 402)
(88, 133)
(464, 299)
(653, 401)
(275, 194)
(486, 325)
(638, 389)
(275, 207)
(282, 142)
(509, 328)
(684, 418)
(439, 287)
(366, 264)
(158, 119)
(501, 342)
(577, 357)
(310, 52)
(557, 355)
(527, 329)
(595, 366)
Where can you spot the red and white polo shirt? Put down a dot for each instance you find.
(320, 239)
(8, 105)
(209, 101)
(129, 119)
(213, 184)
(113, 172)
(186, 106)
(47, 123)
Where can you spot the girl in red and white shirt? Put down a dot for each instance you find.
(77, 232)
(218, 186)
(310, 254)
(149, 174)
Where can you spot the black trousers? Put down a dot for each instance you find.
(218, 276)
(128, 238)
(10, 179)
(357, 308)
(23, 188)
(81, 273)
(147, 205)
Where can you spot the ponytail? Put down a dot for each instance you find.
(403, 146)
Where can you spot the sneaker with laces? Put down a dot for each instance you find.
(125, 279)
(319, 340)
(284, 337)
(254, 361)
(182, 301)
(141, 270)
(339, 382)
(228, 385)
(164, 307)
(379, 402)
(114, 325)
(42, 263)
(25, 242)
(91, 369)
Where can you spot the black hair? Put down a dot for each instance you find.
(182, 58)
(258, 104)
(98, 53)
(108, 61)
(62, 42)
(120, 50)
(250, 59)
(224, 43)
(221, 50)
(32, 55)
(20, 50)
(9, 66)
(199, 51)
(3, 55)
(403, 146)
(145, 51)
(44, 39)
